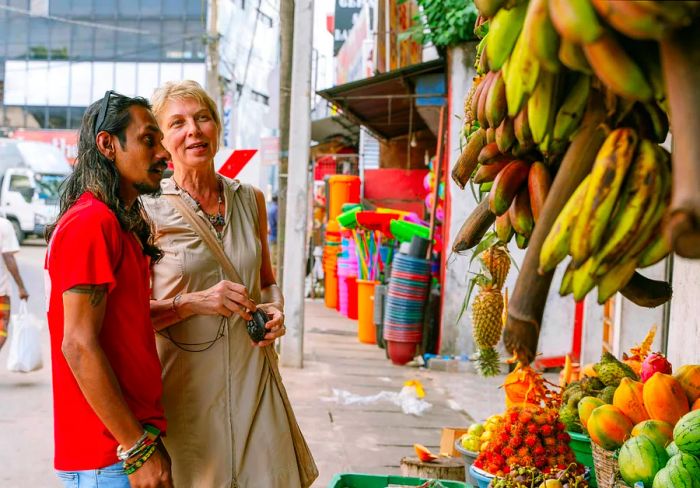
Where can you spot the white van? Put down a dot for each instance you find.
(31, 174)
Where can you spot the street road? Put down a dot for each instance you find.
(26, 423)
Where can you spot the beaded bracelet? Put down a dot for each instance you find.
(130, 468)
(149, 436)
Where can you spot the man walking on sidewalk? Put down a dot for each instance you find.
(106, 374)
(9, 246)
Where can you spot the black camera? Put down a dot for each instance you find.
(256, 326)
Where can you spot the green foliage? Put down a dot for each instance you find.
(444, 23)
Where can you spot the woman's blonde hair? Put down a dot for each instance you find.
(181, 90)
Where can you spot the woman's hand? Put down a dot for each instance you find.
(225, 298)
(275, 325)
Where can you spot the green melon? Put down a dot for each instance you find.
(640, 459)
(686, 461)
(672, 449)
(686, 433)
(675, 477)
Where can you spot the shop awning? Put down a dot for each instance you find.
(386, 103)
(334, 126)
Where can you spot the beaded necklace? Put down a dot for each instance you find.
(216, 220)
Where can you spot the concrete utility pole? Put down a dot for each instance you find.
(213, 87)
(286, 56)
(298, 186)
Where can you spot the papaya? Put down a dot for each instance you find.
(640, 458)
(664, 398)
(696, 405)
(424, 453)
(630, 399)
(586, 406)
(688, 376)
(657, 430)
(675, 477)
(609, 427)
(688, 462)
(686, 433)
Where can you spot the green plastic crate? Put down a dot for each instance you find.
(359, 480)
(581, 445)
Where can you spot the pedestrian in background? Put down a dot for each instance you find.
(106, 374)
(230, 423)
(9, 246)
(272, 216)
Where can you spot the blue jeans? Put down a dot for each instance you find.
(110, 477)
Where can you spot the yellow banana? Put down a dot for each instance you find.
(659, 248)
(571, 111)
(556, 245)
(575, 20)
(615, 279)
(504, 30)
(640, 196)
(607, 175)
(520, 75)
(541, 36)
(616, 69)
(542, 107)
(583, 279)
(571, 55)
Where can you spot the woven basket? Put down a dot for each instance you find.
(606, 467)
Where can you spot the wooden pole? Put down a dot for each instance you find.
(439, 156)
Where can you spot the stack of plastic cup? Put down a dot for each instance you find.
(347, 268)
(405, 302)
(330, 261)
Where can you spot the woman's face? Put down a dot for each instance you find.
(189, 132)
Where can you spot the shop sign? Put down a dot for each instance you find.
(346, 12)
(355, 58)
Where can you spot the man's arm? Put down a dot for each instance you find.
(11, 265)
(84, 309)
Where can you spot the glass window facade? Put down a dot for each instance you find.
(82, 35)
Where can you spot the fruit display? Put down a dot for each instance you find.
(655, 363)
(487, 308)
(479, 434)
(562, 129)
(530, 436)
(534, 478)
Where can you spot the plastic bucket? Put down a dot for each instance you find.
(365, 311)
(331, 292)
(342, 189)
(469, 457)
(401, 352)
(481, 477)
(352, 296)
(581, 445)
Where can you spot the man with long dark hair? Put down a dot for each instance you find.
(106, 374)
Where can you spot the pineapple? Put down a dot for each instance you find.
(497, 261)
(487, 325)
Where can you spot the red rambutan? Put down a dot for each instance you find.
(515, 441)
(547, 430)
(530, 440)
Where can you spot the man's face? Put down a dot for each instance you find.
(143, 158)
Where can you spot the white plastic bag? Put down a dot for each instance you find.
(25, 342)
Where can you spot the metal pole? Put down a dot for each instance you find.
(298, 186)
(286, 39)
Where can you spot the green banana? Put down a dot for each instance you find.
(583, 279)
(639, 196)
(504, 30)
(542, 107)
(571, 55)
(541, 36)
(575, 20)
(567, 281)
(659, 248)
(571, 111)
(556, 245)
(658, 121)
(615, 279)
(521, 75)
(521, 241)
(607, 175)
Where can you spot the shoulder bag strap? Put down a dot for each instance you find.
(305, 462)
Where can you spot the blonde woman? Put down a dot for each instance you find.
(229, 420)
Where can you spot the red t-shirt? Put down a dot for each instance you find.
(89, 247)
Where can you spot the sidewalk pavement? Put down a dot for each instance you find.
(373, 438)
(353, 438)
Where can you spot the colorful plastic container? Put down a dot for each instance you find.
(581, 445)
(481, 477)
(342, 189)
(366, 332)
(359, 480)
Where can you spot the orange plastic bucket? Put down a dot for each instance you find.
(366, 331)
(343, 189)
(331, 292)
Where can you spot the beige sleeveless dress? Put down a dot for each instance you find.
(227, 425)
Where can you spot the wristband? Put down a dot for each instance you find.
(130, 468)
